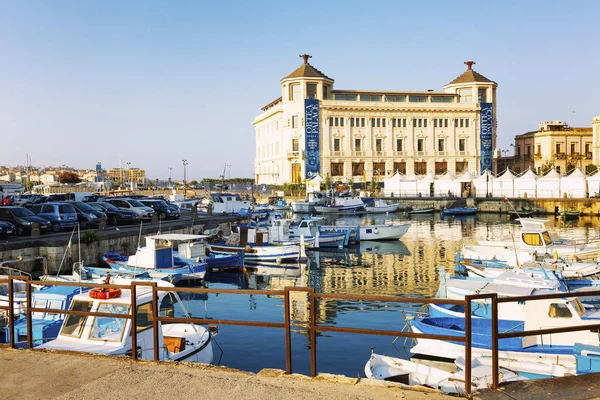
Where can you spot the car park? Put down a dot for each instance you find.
(23, 219)
(6, 228)
(161, 208)
(114, 215)
(145, 213)
(60, 215)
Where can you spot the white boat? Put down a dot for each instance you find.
(310, 229)
(380, 206)
(415, 373)
(226, 203)
(308, 206)
(372, 232)
(342, 205)
(112, 336)
(533, 240)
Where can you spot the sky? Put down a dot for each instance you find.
(155, 82)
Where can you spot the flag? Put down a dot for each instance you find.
(505, 200)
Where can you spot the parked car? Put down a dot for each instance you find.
(23, 200)
(114, 215)
(23, 219)
(145, 213)
(60, 215)
(38, 199)
(174, 207)
(56, 197)
(161, 208)
(6, 228)
(88, 216)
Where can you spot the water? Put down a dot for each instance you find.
(409, 267)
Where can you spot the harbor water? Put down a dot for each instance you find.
(409, 267)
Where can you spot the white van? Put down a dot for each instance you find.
(145, 213)
(78, 196)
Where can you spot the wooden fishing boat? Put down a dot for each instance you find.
(414, 211)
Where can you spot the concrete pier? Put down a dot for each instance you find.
(39, 374)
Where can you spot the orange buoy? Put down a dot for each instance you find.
(105, 294)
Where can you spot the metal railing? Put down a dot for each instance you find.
(313, 326)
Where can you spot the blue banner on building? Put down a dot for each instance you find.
(311, 132)
(486, 134)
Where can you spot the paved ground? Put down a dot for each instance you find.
(35, 375)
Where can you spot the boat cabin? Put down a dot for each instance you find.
(534, 232)
(158, 252)
(228, 203)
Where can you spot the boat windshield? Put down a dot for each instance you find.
(109, 329)
(73, 325)
(579, 307)
(547, 238)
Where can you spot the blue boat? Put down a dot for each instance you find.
(45, 325)
(460, 211)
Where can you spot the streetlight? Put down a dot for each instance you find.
(170, 169)
(229, 166)
(185, 163)
(128, 171)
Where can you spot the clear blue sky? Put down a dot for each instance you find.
(153, 82)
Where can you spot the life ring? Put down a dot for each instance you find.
(105, 294)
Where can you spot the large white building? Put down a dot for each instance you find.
(364, 135)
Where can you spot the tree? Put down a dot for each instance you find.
(68, 177)
(590, 169)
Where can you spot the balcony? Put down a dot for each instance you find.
(537, 156)
(358, 153)
(400, 153)
(295, 154)
(588, 156)
(380, 153)
(575, 156)
(337, 153)
(421, 153)
(441, 153)
(462, 153)
(561, 156)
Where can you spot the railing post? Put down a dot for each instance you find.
(313, 333)
(133, 322)
(155, 321)
(468, 346)
(28, 315)
(288, 334)
(11, 312)
(495, 371)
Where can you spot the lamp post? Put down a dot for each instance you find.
(185, 163)
(128, 172)
(170, 169)
(229, 173)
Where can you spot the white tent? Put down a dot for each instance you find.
(548, 186)
(503, 185)
(408, 187)
(314, 184)
(483, 183)
(424, 185)
(593, 184)
(391, 186)
(574, 185)
(525, 185)
(447, 186)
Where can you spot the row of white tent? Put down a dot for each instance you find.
(507, 184)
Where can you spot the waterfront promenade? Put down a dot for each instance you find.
(48, 375)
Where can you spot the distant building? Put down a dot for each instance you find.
(364, 135)
(596, 136)
(554, 144)
(133, 174)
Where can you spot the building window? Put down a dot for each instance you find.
(344, 96)
(358, 169)
(395, 98)
(358, 122)
(557, 148)
(400, 167)
(325, 94)
(462, 144)
(295, 121)
(337, 169)
(420, 144)
(440, 144)
(539, 150)
(295, 145)
(461, 166)
(378, 122)
(379, 168)
(420, 168)
(420, 123)
(572, 148)
(417, 99)
(518, 151)
(441, 167)
(398, 122)
(295, 91)
(528, 149)
(461, 123)
(378, 145)
(336, 144)
(399, 145)
(311, 90)
(357, 145)
(442, 99)
(466, 95)
(482, 95)
(370, 97)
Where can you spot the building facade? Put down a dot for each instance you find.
(596, 139)
(366, 135)
(126, 175)
(554, 144)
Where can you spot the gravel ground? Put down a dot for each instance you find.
(48, 375)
